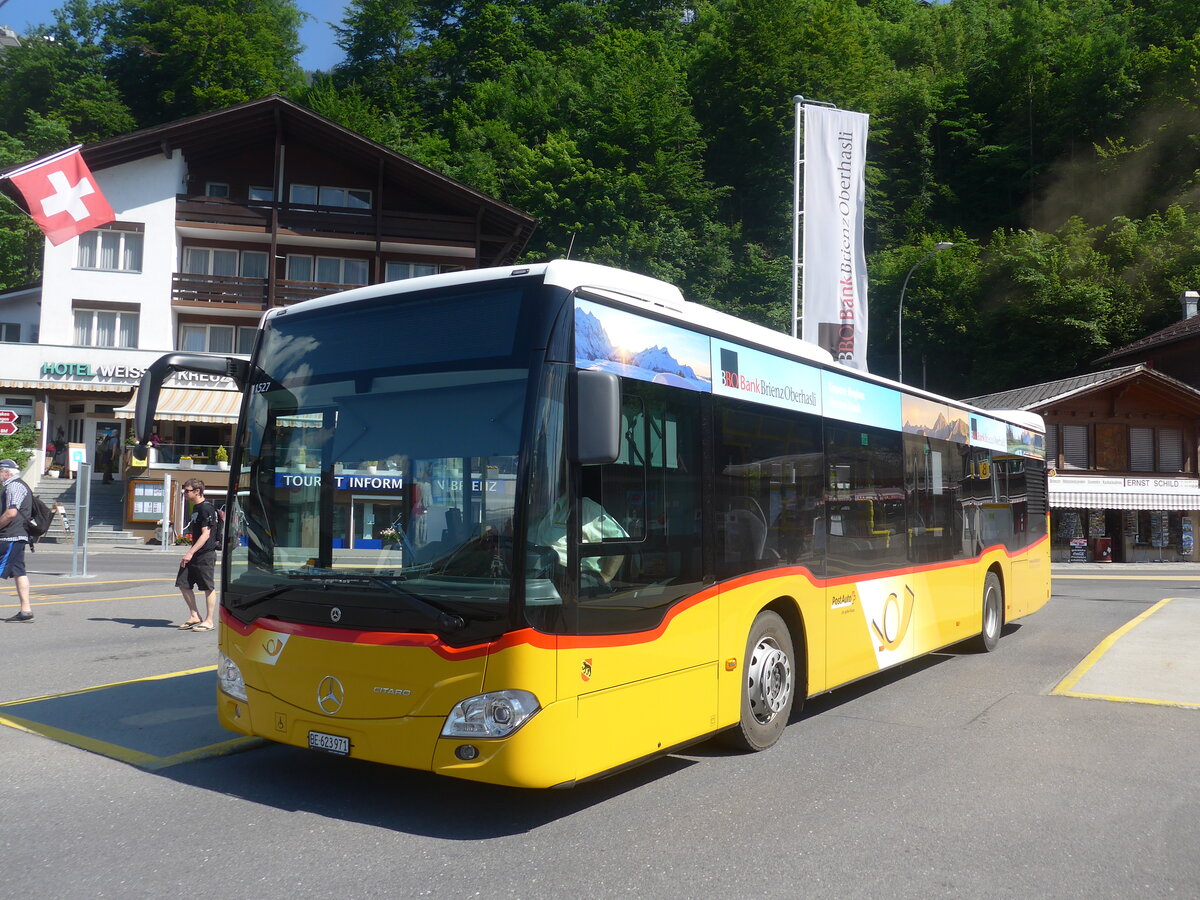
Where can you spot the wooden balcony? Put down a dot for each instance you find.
(231, 291)
(329, 220)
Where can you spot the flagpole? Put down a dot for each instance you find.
(28, 167)
(798, 102)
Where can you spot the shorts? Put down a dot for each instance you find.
(12, 559)
(198, 573)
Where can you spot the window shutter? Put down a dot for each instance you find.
(1170, 450)
(1141, 449)
(1051, 446)
(1075, 446)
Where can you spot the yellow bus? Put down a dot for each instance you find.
(533, 525)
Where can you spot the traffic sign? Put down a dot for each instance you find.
(7, 428)
(8, 416)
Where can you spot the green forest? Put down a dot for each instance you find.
(1056, 143)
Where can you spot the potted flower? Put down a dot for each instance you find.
(54, 471)
(372, 466)
(390, 537)
(222, 458)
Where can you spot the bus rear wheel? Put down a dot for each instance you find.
(993, 614)
(768, 684)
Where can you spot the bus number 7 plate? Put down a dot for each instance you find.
(330, 743)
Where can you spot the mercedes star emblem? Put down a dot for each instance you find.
(330, 695)
(336, 614)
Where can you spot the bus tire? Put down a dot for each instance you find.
(993, 614)
(768, 684)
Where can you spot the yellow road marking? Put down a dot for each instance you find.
(128, 755)
(94, 600)
(1063, 689)
(1126, 577)
(12, 590)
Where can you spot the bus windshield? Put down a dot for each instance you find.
(380, 457)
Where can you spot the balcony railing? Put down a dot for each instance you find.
(242, 292)
(335, 220)
(219, 289)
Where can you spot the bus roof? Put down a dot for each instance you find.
(644, 293)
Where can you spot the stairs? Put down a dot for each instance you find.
(107, 513)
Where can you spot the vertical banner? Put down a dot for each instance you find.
(835, 263)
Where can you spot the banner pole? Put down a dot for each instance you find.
(798, 103)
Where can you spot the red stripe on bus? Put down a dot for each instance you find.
(574, 642)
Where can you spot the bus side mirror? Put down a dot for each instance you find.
(597, 417)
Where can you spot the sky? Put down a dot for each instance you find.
(316, 35)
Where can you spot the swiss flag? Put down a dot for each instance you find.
(62, 195)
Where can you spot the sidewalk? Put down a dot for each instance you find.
(1155, 658)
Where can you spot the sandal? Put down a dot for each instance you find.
(188, 626)
(200, 626)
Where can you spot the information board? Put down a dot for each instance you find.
(146, 501)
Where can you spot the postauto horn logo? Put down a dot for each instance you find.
(891, 625)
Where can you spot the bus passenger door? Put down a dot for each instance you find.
(643, 664)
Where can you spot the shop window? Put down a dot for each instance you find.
(1075, 446)
(116, 247)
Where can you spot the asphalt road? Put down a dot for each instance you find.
(957, 775)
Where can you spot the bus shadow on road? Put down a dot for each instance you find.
(291, 779)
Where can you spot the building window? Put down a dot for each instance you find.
(1141, 449)
(261, 194)
(216, 338)
(217, 189)
(219, 262)
(326, 269)
(327, 195)
(10, 332)
(1170, 450)
(106, 328)
(398, 271)
(303, 195)
(1075, 446)
(112, 248)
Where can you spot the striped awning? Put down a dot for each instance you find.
(1103, 500)
(190, 405)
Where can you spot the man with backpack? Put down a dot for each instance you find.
(197, 568)
(17, 502)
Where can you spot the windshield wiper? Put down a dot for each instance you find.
(262, 597)
(448, 620)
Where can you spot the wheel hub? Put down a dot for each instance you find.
(768, 680)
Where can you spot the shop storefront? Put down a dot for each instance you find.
(1123, 519)
(75, 397)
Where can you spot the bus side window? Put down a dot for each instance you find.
(768, 489)
(653, 492)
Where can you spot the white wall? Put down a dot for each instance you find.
(23, 308)
(141, 191)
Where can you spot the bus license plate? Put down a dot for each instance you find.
(330, 743)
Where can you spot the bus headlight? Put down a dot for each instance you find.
(494, 715)
(229, 678)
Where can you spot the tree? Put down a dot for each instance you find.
(174, 58)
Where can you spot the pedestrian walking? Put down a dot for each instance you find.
(197, 568)
(17, 502)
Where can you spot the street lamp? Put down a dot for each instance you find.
(940, 246)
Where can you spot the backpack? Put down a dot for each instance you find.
(40, 515)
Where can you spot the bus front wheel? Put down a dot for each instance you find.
(768, 684)
(993, 614)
